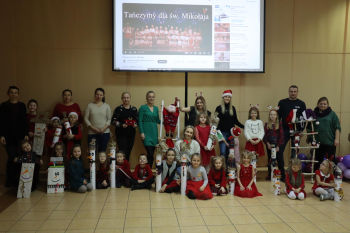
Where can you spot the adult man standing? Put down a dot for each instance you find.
(13, 128)
(285, 107)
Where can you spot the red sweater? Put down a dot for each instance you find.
(125, 166)
(60, 108)
(217, 175)
(102, 173)
(142, 173)
(323, 179)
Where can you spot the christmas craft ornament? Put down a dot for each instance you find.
(170, 115)
(213, 130)
(277, 184)
(253, 162)
(273, 163)
(66, 123)
(184, 154)
(28, 160)
(112, 148)
(92, 157)
(39, 132)
(55, 176)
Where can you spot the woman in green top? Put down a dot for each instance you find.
(328, 131)
(148, 120)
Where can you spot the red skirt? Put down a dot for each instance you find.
(246, 193)
(258, 148)
(194, 187)
(172, 184)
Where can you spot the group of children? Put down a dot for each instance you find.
(207, 172)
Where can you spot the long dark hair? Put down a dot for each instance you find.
(71, 93)
(32, 101)
(101, 90)
(72, 156)
(64, 154)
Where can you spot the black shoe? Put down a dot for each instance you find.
(118, 185)
(149, 187)
(135, 187)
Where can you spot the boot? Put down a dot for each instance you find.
(135, 187)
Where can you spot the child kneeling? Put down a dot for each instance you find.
(295, 181)
(142, 178)
(170, 178)
(217, 176)
(77, 180)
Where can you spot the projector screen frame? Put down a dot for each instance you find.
(190, 71)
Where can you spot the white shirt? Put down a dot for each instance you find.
(254, 129)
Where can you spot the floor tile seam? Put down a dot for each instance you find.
(317, 226)
(342, 225)
(177, 219)
(75, 213)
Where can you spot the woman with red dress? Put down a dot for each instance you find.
(201, 133)
(245, 186)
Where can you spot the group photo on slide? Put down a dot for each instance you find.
(187, 116)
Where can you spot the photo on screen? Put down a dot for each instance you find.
(222, 27)
(167, 29)
(222, 46)
(222, 13)
(222, 65)
(222, 37)
(222, 56)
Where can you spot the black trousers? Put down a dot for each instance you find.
(150, 154)
(11, 171)
(100, 186)
(280, 161)
(287, 137)
(143, 185)
(126, 144)
(321, 153)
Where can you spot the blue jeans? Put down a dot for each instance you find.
(287, 137)
(101, 141)
(223, 148)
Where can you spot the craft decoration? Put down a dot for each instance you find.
(219, 136)
(231, 166)
(159, 168)
(39, 132)
(130, 121)
(92, 157)
(270, 108)
(171, 115)
(111, 154)
(184, 153)
(28, 160)
(277, 184)
(56, 136)
(254, 160)
(255, 106)
(213, 131)
(66, 123)
(273, 163)
(55, 177)
(338, 179)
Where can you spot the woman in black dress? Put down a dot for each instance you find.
(199, 107)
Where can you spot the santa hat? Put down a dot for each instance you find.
(227, 93)
(73, 113)
(235, 132)
(292, 116)
(55, 118)
(310, 115)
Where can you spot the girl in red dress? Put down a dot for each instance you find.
(201, 133)
(324, 185)
(170, 179)
(102, 170)
(197, 185)
(295, 181)
(245, 186)
(217, 176)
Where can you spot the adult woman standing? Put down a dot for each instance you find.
(125, 119)
(67, 106)
(148, 120)
(228, 119)
(200, 106)
(328, 131)
(98, 119)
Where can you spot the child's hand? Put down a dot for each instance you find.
(31, 134)
(205, 148)
(228, 145)
(297, 190)
(45, 130)
(125, 125)
(333, 185)
(135, 125)
(70, 136)
(41, 162)
(212, 147)
(140, 181)
(268, 146)
(15, 160)
(116, 166)
(85, 182)
(277, 149)
(201, 188)
(178, 182)
(223, 190)
(104, 183)
(217, 186)
(162, 189)
(65, 136)
(249, 187)
(242, 188)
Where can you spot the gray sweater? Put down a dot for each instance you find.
(98, 117)
(198, 174)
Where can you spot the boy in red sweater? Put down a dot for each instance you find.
(123, 173)
(142, 178)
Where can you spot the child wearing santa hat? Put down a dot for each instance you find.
(75, 136)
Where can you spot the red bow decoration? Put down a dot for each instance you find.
(230, 138)
(186, 141)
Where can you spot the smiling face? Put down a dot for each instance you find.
(58, 150)
(188, 133)
(170, 156)
(103, 157)
(323, 105)
(143, 159)
(13, 94)
(273, 116)
(196, 161)
(202, 119)
(26, 147)
(218, 164)
(32, 107)
(77, 152)
(227, 98)
(67, 97)
(199, 104)
(253, 115)
(99, 96)
(120, 158)
(150, 98)
(126, 99)
(72, 119)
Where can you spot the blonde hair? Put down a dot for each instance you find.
(196, 154)
(204, 103)
(295, 162)
(223, 107)
(188, 126)
(328, 165)
(217, 157)
(269, 122)
(257, 113)
(106, 163)
(207, 122)
(247, 154)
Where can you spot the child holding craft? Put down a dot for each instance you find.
(123, 173)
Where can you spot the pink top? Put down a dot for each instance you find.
(60, 108)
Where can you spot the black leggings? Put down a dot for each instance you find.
(100, 186)
(12, 173)
(126, 144)
(150, 151)
(143, 185)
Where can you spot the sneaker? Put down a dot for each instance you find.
(118, 185)
(322, 197)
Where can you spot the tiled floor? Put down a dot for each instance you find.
(122, 210)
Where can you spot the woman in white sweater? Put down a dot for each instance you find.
(98, 119)
(254, 132)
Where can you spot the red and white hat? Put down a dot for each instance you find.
(73, 113)
(235, 132)
(227, 93)
(291, 118)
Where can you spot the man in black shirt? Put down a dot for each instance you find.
(285, 106)
(13, 129)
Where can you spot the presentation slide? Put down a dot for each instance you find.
(192, 35)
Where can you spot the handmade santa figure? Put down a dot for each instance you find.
(170, 114)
